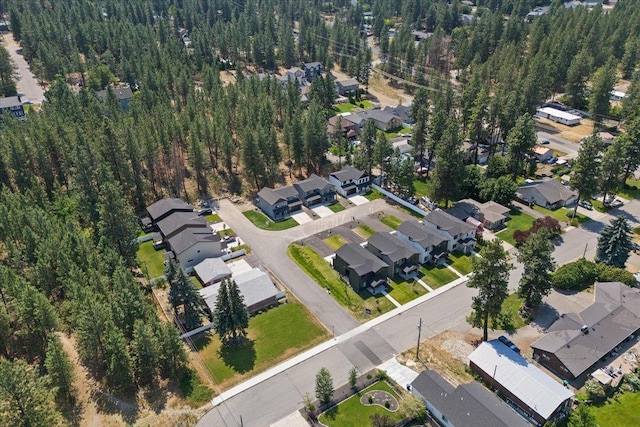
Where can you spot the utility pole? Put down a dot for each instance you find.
(584, 254)
(418, 346)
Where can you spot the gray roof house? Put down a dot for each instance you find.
(430, 244)
(460, 235)
(312, 69)
(315, 190)
(547, 193)
(383, 120)
(256, 288)
(349, 181)
(278, 203)
(13, 104)
(347, 86)
(165, 207)
(212, 270)
(492, 215)
(173, 224)
(122, 94)
(575, 342)
(516, 379)
(192, 246)
(468, 405)
(401, 111)
(398, 254)
(360, 267)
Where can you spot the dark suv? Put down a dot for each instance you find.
(506, 341)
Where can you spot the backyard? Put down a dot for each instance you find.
(620, 410)
(461, 263)
(324, 275)
(437, 276)
(510, 318)
(391, 221)
(517, 221)
(150, 259)
(336, 207)
(261, 221)
(335, 241)
(348, 107)
(404, 291)
(364, 231)
(421, 187)
(373, 195)
(353, 413)
(273, 336)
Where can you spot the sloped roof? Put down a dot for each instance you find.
(468, 405)
(314, 182)
(420, 234)
(171, 224)
(550, 189)
(528, 383)
(400, 110)
(212, 269)
(270, 196)
(448, 222)
(613, 316)
(348, 82)
(163, 206)
(120, 93)
(189, 237)
(255, 286)
(391, 246)
(359, 259)
(348, 173)
(10, 101)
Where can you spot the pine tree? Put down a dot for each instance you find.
(520, 141)
(490, 277)
(324, 386)
(230, 316)
(611, 169)
(603, 81)
(146, 352)
(586, 169)
(60, 369)
(535, 255)
(185, 300)
(117, 221)
(449, 172)
(614, 243)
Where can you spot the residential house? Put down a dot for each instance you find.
(191, 246)
(430, 244)
(312, 69)
(315, 190)
(123, 95)
(165, 207)
(293, 74)
(523, 384)
(460, 235)
(617, 95)
(575, 342)
(475, 153)
(278, 203)
(212, 270)
(401, 111)
(606, 137)
(13, 104)
(548, 193)
(383, 121)
(420, 35)
(402, 145)
(347, 87)
(558, 116)
(360, 268)
(398, 254)
(350, 130)
(573, 4)
(542, 153)
(349, 181)
(467, 405)
(490, 214)
(173, 224)
(255, 286)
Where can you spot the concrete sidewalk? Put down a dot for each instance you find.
(331, 343)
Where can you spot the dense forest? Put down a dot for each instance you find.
(75, 172)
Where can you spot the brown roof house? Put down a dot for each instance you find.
(492, 215)
(577, 341)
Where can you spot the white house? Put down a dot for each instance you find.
(192, 246)
(349, 181)
(460, 235)
(617, 95)
(558, 116)
(430, 244)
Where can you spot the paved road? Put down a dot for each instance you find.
(28, 86)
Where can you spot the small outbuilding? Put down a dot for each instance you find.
(558, 116)
(212, 270)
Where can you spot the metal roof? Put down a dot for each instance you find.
(255, 287)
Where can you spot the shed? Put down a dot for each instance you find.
(212, 270)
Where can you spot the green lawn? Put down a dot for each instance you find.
(461, 263)
(348, 107)
(394, 133)
(213, 218)
(335, 241)
(391, 221)
(597, 205)
(196, 282)
(149, 258)
(373, 195)
(560, 214)
(578, 220)
(240, 247)
(352, 413)
(261, 221)
(422, 188)
(273, 336)
(436, 276)
(517, 221)
(226, 232)
(196, 393)
(364, 231)
(510, 318)
(336, 207)
(403, 291)
(324, 275)
(621, 410)
(631, 193)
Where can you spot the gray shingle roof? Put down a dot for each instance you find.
(420, 234)
(286, 192)
(359, 259)
(468, 405)
(448, 223)
(10, 101)
(185, 239)
(270, 196)
(550, 189)
(120, 93)
(163, 206)
(179, 220)
(491, 210)
(614, 315)
(212, 269)
(391, 246)
(314, 182)
(255, 286)
(348, 173)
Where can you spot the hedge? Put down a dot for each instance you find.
(582, 273)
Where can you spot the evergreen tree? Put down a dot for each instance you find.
(611, 169)
(230, 316)
(60, 369)
(490, 277)
(368, 140)
(582, 417)
(146, 352)
(520, 141)
(315, 136)
(449, 173)
(324, 386)
(630, 143)
(185, 300)
(586, 169)
(602, 84)
(535, 255)
(382, 150)
(117, 223)
(614, 243)
(577, 75)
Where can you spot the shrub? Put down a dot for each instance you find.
(370, 399)
(632, 382)
(577, 274)
(607, 273)
(387, 404)
(382, 375)
(548, 223)
(368, 376)
(594, 390)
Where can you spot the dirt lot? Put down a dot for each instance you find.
(570, 133)
(380, 88)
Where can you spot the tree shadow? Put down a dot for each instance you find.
(241, 357)
(72, 412)
(156, 398)
(110, 404)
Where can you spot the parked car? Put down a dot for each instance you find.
(552, 160)
(561, 162)
(608, 200)
(205, 211)
(506, 341)
(584, 204)
(545, 142)
(617, 203)
(159, 244)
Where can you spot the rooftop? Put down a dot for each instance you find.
(10, 101)
(558, 113)
(391, 246)
(420, 234)
(359, 259)
(173, 223)
(212, 269)
(447, 222)
(552, 190)
(255, 287)
(185, 239)
(163, 206)
(314, 182)
(348, 173)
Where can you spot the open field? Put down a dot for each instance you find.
(570, 133)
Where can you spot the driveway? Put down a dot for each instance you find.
(323, 211)
(28, 86)
(358, 200)
(301, 217)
